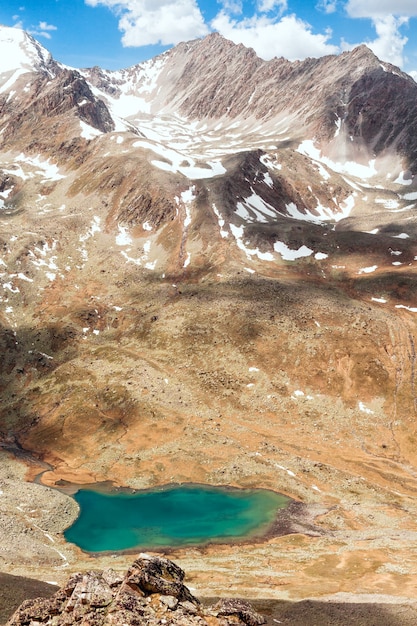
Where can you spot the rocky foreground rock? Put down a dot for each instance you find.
(151, 592)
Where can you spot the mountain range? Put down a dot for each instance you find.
(208, 275)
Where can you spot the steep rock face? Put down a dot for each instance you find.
(382, 113)
(44, 108)
(152, 592)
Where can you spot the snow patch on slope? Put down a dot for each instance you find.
(324, 214)
(49, 171)
(136, 88)
(238, 232)
(307, 148)
(88, 132)
(223, 233)
(123, 238)
(143, 259)
(177, 162)
(255, 209)
(289, 254)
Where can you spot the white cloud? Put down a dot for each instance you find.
(327, 6)
(389, 45)
(265, 6)
(289, 37)
(46, 26)
(381, 8)
(232, 6)
(42, 30)
(145, 22)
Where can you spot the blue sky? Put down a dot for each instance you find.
(118, 33)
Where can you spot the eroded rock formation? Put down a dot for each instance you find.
(151, 592)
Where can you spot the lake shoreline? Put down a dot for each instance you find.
(175, 516)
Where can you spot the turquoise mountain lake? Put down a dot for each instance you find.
(171, 516)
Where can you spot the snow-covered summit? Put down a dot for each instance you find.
(20, 51)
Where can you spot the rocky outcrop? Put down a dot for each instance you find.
(46, 106)
(151, 592)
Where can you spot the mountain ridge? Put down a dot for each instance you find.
(226, 54)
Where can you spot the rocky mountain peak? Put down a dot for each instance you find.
(361, 52)
(214, 43)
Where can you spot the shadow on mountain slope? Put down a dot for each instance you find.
(16, 589)
(332, 613)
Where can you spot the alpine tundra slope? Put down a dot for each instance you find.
(208, 275)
